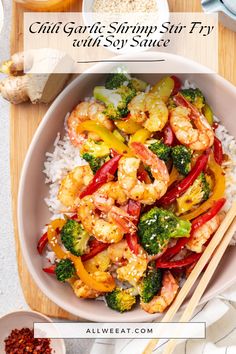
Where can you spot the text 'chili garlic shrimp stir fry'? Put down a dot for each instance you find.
(140, 211)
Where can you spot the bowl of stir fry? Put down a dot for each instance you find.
(138, 179)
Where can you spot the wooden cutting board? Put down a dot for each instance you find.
(25, 118)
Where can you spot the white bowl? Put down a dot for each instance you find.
(22, 319)
(163, 16)
(33, 213)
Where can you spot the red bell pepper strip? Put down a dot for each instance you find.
(177, 85)
(134, 209)
(113, 153)
(102, 176)
(95, 248)
(172, 251)
(143, 176)
(169, 136)
(74, 217)
(132, 241)
(42, 243)
(50, 270)
(183, 185)
(215, 126)
(202, 219)
(180, 263)
(218, 151)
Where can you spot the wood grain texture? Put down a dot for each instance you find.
(25, 119)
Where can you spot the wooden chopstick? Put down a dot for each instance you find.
(193, 302)
(190, 281)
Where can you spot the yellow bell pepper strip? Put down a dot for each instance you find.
(208, 113)
(118, 135)
(52, 232)
(217, 193)
(140, 136)
(88, 279)
(173, 176)
(164, 88)
(128, 126)
(107, 136)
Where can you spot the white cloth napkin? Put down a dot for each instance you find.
(220, 317)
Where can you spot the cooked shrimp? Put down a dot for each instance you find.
(73, 183)
(127, 175)
(117, 252)
(203, 233)
(167, 294)
(82, 112)
(136, 266)
(149, 110)
(199, 136)
(82, 290)
(109, 194)
(108, 226)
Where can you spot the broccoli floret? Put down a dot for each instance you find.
(116, 80)
(95, 153)
(181, 156)
(120, 300)
(151, 283)
(205, 186)
(194, 96)
(159, 148)
(195, 194)
(64, 270)
(74, 237)
(121, 79)
(116, 100)
(157, 226)
(94, 162)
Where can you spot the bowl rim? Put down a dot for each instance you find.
(34, 273)
(13, 313)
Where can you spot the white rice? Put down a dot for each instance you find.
(229, 148)
(64, 158)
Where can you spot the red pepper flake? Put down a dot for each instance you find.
(22, 341)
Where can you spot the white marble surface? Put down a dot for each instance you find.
(11, 296)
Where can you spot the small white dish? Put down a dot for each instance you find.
(163, 16)
(26, 319)
(226, 10)
(231, 5)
